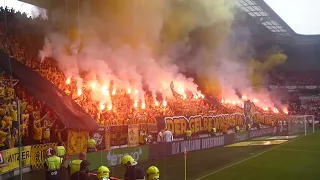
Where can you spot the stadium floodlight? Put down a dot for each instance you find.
(300, 124)
(300, 15)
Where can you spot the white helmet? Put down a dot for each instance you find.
(49, 151)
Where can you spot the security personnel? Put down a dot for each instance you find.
(91, 145)
(103, 173)
(74, 165)
(248, 127)
(237, 129)
(153, 173)
(83, 173)
(53, 165)
(61, 151)
(132, 172)
(48, 152)
(188, 134)
(143, 138)
(214, 131)
(272, 123)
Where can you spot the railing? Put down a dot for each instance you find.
(34, 156)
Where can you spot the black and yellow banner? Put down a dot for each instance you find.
(118, 135)
(11, 158)
(178, 125)
(38, 154)
(77, 141)
(133, 135)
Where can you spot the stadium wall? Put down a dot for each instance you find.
(33, 156)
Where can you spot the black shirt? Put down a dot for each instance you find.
(80, 175)
(133, 173)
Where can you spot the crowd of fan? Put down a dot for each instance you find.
(295, 79)
(37, 122)
(309, 106)
(22, 38)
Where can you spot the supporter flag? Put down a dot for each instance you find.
(99, 137)
(175, 94)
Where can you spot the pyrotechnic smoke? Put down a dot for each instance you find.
(140, 44)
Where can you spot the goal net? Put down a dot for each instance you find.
(300, 124)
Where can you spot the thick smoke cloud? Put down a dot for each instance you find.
(140, 43)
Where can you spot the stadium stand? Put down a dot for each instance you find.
(21, 38)
(26, 51)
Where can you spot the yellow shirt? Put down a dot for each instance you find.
(46, 133)
(2, 92)
(23, 129)
(37, 133)
(3, 123)
(3, 137)
(10, 93)
(12, 141)
(25, 117)
(8, 120)
(30, 107)
(1, 111)
(23, 106)
(14, 115)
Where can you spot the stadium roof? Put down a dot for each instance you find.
(284, 19)
(276, 20)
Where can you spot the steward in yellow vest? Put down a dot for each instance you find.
(213, 131)
(53, 165)
(61, 151)
(153, 173)
(74, 165)
(188, 134)
(103, 173)
(237, 129)
(248, 127)
(91, 145)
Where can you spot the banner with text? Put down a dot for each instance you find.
(133, 135)
(38, 154)
(118, 135)
(178, 125)
(158, 151)
(262, 132)
(11, 157)
(99, 136)
(139, 154)
(267, 119)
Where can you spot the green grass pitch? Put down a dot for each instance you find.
(295, 159)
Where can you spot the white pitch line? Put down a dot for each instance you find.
(239, 162)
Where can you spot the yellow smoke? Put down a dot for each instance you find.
(211, 87)
(260, 68)
(158, 24)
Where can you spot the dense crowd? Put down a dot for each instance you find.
(38, 124)
(295, 78)
(24, 44)
(307, 105)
